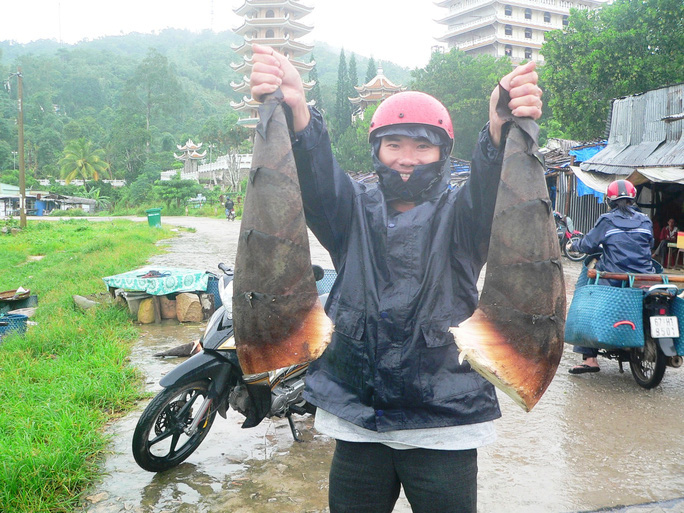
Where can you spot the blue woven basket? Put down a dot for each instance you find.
(212, 288)
(601, 316)
(583, 278)
(325, 284)
(678, 311)
(12, 323)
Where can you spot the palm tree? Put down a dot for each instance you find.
(80, 159)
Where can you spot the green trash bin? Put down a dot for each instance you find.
(154, 217)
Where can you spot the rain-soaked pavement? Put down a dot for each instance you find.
(594, 442)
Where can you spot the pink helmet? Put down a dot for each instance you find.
(412, 107)
(620, 189)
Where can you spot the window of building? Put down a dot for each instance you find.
(508, 49)
(528, 53)
(528, 14)
(565, 21)
(547, 17)
(508, 10)
(528, 33)
(508, 30)
(270, 13)
(269, 34)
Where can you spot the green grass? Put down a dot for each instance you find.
(69, 375)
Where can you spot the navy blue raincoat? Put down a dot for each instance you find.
(403, 280)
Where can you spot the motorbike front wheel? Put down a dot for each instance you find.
(575, 256)
(648, 364)
(160, 440)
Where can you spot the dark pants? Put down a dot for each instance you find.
(586, 352)
(367, 477)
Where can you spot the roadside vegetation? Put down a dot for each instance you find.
(69, 374)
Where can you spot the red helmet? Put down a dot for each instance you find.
(620, 189)
(412, 107)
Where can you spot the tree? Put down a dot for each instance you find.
(353, 75)
(629, 47)
(81, 159)
(351, 149)
(155, 87)
(371, 70)
(342, 118)
(463, 83)
(176, 190)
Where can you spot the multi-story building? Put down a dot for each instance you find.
(514, 28)
(275, 23)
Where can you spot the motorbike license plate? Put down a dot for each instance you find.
(664, 326)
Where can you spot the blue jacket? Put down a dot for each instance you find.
(625, 241)
(403, 280)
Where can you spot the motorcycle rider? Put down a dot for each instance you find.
(624, 237)
(389, 387)
(229, 205)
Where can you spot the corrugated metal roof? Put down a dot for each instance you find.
(646, 132)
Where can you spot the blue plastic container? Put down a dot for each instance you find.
(325, 284)
(11, 323)
(212, 288)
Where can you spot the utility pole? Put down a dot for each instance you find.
(22, 169)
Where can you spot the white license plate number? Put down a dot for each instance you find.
(664, 327)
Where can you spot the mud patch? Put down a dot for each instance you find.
(294, 481)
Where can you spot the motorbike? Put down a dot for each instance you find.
(231, 215)
(178, 419)
(658, 317)
(567, 235)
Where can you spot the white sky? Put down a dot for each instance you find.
(400, 31)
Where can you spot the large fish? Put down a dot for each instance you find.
(278, 318)
(515, 337)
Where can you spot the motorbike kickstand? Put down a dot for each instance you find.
(622, 371)
(295, 432)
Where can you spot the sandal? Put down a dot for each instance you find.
(584, 368)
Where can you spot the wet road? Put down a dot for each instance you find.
(593, 442)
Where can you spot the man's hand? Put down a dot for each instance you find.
(271, 70)
(521, 84)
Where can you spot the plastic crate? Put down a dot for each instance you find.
(11, 323)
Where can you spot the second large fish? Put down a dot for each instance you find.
(278, 318)
(515, 337)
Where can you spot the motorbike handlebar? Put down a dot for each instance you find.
(227, 270)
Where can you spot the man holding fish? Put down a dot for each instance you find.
(390, 387)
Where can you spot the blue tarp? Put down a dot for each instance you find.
(583, 154)
(583, 190)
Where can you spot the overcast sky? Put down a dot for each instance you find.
(395, 30)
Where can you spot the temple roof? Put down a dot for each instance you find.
(287, 23)
(291, 5)
(193, 155)
(189, 145)
(244, 87)
(246, 66)
(284, 45)
(379, 88)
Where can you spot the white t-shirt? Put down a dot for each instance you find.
(451, 438)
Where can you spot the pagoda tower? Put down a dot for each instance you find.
(379, 88)
(273, 23)
(190, 156)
